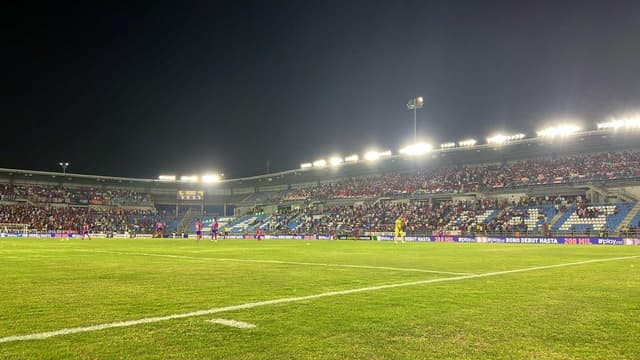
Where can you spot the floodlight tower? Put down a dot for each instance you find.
(64, 166)
(415, 104)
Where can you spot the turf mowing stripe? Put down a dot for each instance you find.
(67, 331)
(279, 262)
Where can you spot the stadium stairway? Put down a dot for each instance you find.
(186, 220)
(561, 217)
(632, 218)
(556, 218)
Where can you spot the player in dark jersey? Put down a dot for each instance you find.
(214, 230)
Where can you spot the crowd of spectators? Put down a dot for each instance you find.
(72, 218)
(562, 170)
(426, 217)
(419, 216)
(54, 194)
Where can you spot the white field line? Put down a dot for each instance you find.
(279, 262)
(233, 323)
(251, 305)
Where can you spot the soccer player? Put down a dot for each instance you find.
(398, 234)
(85, 231)
(258, 234)
(226, 232)
(198, 229)
(159, 229)
(214, 230)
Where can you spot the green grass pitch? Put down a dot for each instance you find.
(442, 310)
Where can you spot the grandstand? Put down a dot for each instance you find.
(587, 185)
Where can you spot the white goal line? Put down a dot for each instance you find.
(251, 305)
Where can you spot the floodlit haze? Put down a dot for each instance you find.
(140, 90)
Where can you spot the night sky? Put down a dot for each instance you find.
(140, 90)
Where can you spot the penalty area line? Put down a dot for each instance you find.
(251, 305)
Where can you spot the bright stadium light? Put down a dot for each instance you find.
(306, 165)
(167, 178)
(209, 179)
(468, 142)
(375, 155)
(502, 139)
(416, 149)
(64, 165)
(561, 130)
(371, 155)
(448, 145)
(352, 158)
(632, 122)
(497, 139)
(192, 178)
(320, 163)
(336, 160)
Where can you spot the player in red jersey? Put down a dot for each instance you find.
(198, 229)
(85, 231)
(258, 234)
(214, 230)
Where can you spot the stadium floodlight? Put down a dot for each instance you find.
(416, 149)
(448, 145)
(502, 139)
(352, 158)
(468, 142)
(64, 165)
(497, 139)
(371, 155)
(192, 178)
(306, 165)
(562, 130)
(320, 163)
(632, 122)
(375, 155)
(167, 178)
(336, 160)
(415, 104)
(209, 179)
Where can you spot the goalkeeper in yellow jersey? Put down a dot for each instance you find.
(398, 232)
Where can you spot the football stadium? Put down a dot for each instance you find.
(519, 246)
(505, 227)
